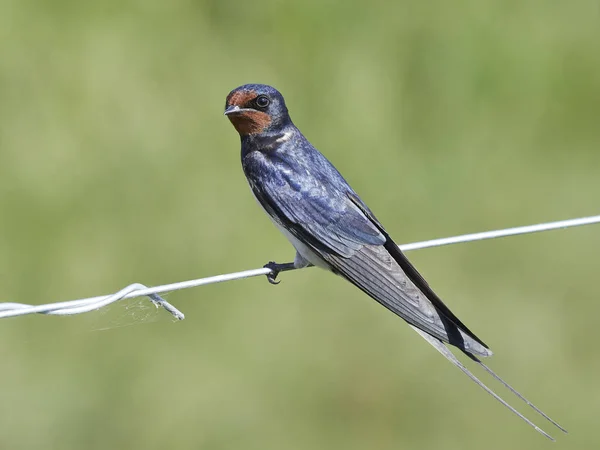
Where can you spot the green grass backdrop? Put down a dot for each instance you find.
(117, 165)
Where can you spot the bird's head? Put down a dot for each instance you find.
(256, 108)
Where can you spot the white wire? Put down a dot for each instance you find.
(502, 233)
(138, 290)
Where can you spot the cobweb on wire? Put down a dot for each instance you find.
(128, 312)
(132, 308)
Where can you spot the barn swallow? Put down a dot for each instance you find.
(332, 228)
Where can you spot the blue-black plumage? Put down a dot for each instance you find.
(331, 227)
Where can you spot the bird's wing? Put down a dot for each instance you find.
(345, 235)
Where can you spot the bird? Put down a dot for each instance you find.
(330, 227)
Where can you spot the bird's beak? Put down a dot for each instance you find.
(232, 109)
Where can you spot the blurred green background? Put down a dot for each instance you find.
(117, 165)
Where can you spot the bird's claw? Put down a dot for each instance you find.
(272, 276)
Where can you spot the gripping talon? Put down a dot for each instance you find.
(272, 277)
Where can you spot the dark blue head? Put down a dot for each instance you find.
(256, 109)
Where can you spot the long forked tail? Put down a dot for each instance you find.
(440, 347)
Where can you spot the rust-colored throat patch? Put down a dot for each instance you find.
(250, 121)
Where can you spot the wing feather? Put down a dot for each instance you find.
(325, 214)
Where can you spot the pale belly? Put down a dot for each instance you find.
(303, 250)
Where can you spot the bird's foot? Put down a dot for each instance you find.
(276, 269)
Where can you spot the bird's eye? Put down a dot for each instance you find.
(262, 101)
